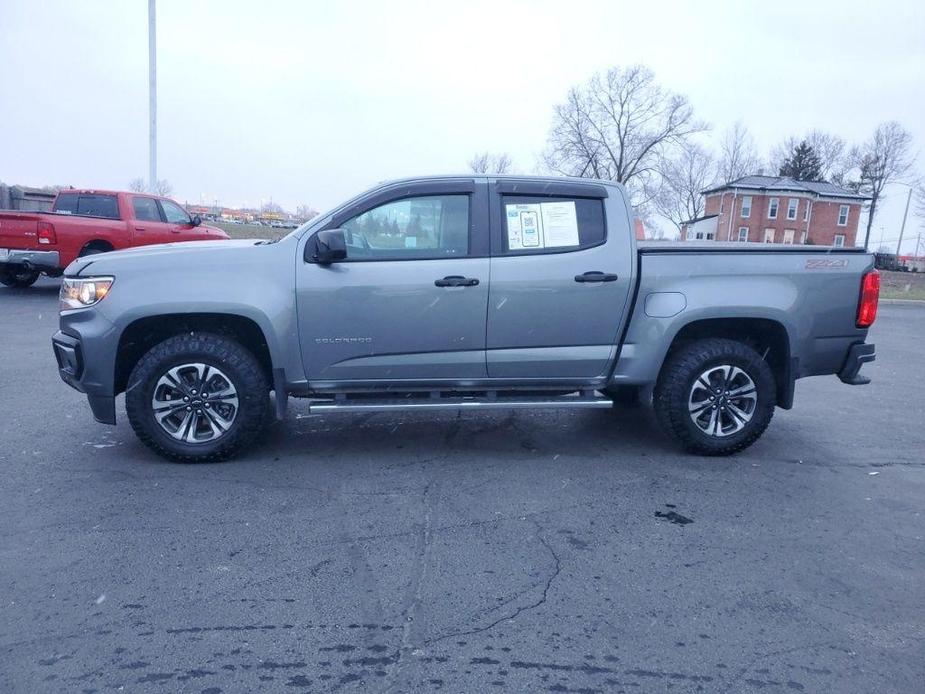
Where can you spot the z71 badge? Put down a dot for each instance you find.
(826, 263)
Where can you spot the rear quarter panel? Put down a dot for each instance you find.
(813, 295)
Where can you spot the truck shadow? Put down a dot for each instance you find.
(404, 437)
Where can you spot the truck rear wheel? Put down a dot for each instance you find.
(17, 276)
(715, 396)
(198, 397)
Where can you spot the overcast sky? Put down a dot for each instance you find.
(310, 102)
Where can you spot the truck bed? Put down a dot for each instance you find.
(737, 247)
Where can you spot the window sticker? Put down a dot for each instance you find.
(541, 225)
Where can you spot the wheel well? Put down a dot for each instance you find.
(767, 337)
(96, 245)
(145, 333)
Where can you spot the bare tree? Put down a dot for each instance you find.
(885, 157)
(618, 126)
(305, 212)
(162, 187)
(830, 149)
(738, 156)
(271, 207)
(684, 177)
(488, 163)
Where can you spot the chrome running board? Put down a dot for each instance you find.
(480, 402)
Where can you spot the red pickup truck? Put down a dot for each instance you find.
(83, 222)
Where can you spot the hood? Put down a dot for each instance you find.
(156, 256)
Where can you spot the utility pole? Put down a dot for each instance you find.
(152, 98)
(903, 227)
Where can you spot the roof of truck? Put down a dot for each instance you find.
(506, 177)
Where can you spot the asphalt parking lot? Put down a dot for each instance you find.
(530, 551)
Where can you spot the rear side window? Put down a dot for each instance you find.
(88, 205)
(537, 224)
(146, 209)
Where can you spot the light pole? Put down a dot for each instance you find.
(152, 98)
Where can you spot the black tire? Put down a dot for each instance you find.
(92, 250)
(17, 276)
(234, 362)
(675, 390)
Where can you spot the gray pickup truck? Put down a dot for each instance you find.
(460, 293)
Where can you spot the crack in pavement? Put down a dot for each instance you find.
(521, 609)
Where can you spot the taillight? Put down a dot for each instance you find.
(46, 233)
(867, 304)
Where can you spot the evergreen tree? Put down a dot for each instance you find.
(803, 164)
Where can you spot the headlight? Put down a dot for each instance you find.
(80, 292)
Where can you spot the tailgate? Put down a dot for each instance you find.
(18, 230)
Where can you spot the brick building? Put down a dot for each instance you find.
(774, 209)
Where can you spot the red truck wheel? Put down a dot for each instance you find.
(17, 276)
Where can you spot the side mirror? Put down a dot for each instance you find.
(196, 220)
(330, 246)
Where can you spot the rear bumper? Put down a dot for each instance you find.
(858, 355)
(41, 260)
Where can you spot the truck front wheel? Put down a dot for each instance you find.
(715, 396)
(197, 397)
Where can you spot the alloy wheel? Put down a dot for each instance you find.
(194, 403)
(722, 400)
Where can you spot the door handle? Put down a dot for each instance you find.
(141, 228)
(597, 276)
(456, 281)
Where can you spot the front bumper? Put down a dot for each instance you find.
(40, 260)
(858, 355)
(88, 335)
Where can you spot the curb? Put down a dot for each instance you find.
(920, 302)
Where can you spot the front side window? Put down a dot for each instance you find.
(173, 213)
(743, 233)
(772, 208)
(843, 216)
(747, 206)
(434, 226)
(839, 240)
(146, 209)
(534, 224)
(793, 205)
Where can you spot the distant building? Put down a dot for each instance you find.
(775, 209)
(700, 229)
(640, 229)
